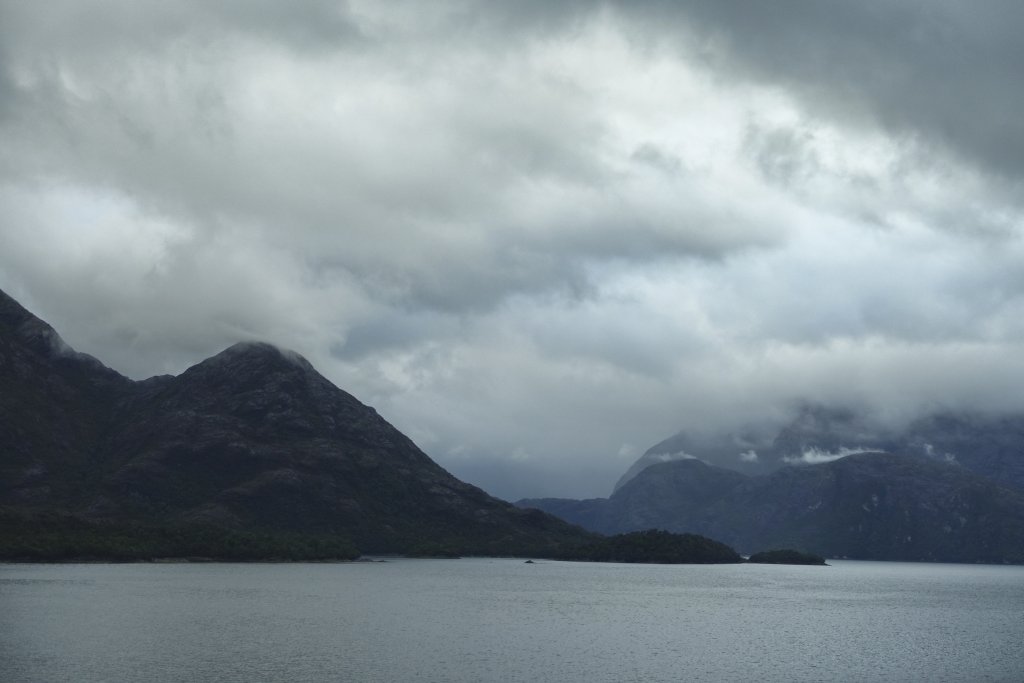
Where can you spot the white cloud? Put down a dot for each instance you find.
(817, 456)
(527, 236)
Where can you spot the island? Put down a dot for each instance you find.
(655, 546)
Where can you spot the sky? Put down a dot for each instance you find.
(537, 237)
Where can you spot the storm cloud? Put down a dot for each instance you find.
(537, 237)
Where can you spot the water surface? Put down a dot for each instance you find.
(504, 620)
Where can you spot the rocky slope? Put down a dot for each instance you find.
(866, 506)
(251, 439)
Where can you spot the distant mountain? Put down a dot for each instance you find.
(866, 506)
(252, 440)
(741, 452)
(989, 445)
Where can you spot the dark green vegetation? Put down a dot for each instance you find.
(656, 547)
(786, 557)
(52, 537)
(249, 454)
(875, 506)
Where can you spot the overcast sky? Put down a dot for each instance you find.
(538, 237)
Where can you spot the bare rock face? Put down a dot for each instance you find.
(252, 438)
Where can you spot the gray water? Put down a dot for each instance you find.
(504, 620)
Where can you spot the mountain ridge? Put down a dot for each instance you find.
(250, 439)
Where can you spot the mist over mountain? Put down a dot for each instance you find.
(252, 439)
(832, 480)
(988, 444)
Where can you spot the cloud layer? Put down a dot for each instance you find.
(537, 239)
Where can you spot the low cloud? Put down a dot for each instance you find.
(930, 451)
(817, 456)
(672, 457)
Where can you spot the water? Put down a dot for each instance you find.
(503, 620)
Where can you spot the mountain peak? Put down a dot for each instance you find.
(253, 439)
(255, 357)
(16, 320)
(265, 351)
(11, 312)
(36, 337)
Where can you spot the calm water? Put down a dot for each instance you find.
(503, 620)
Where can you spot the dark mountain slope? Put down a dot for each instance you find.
(55, 407)
(867, 506)
(990, 445)
(876, 506)
(669, 495)
(251, 439)
(674, 490)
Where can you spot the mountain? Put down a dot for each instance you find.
(251, 441)
(990, 445)
(866, 506)
(654, 499)
(742, 452)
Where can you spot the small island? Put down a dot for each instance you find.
(655, 547)
(787, 557)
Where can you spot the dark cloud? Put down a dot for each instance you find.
(539, 237)
(129, 27)
(941, 72)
